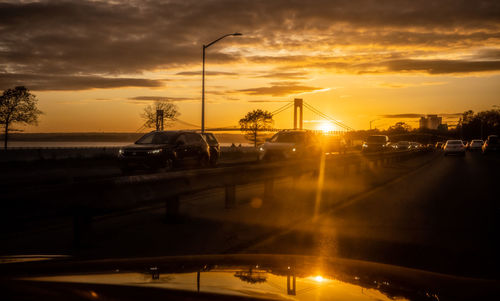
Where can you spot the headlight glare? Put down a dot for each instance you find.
(154, 152)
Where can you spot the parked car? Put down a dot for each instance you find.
(475, 145)
(214, 145)
(401, 145)
(415, 145)
(165, 149)
(491, 144)
(290, 144)
(439, 145)
(454, 147)
(376, 143)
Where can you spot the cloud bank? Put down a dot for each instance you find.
(76, 45)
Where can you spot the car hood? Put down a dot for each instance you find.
(236, 276)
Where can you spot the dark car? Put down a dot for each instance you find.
(214, 148)
(375, 143)
(232, 277)
(491, 144)
(165, 149)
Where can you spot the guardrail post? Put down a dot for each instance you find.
(268, 189)
(230, 200)
(172, 205)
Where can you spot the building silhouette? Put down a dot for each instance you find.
(431, 122)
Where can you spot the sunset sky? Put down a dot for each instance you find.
(94, 65)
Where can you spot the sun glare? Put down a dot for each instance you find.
(327, 127)
(319, 279)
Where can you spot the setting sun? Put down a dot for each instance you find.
(326, 127)
(319, 279)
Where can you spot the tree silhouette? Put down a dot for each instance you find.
(169, 109)
(479, 125)
(399, 128)
(255, 122)
(17, 105)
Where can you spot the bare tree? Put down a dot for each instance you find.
(17, 105)
(255, 122)
(169, 109)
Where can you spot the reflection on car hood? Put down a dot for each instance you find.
(243, 276)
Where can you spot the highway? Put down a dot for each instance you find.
(431, 212)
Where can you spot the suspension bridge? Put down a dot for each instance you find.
(298, 105)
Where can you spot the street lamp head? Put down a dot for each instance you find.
(237, 34)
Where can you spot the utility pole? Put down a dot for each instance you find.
(159, 120)
(481, 129)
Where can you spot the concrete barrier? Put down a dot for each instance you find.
(56, 153)
(28, 154)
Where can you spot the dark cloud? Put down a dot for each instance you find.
(160, 98)
(407, 115)
(284, 75)
(102, 39)
(416, 115)
(451, 115)
(198, 73)
(267, 101)
(39, 82)
(442, 66)
(279, 89)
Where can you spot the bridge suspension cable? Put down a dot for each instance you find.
(185, 123)
(281, 109)
(331, 119)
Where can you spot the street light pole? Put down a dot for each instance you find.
(203, 78)
(203, 94)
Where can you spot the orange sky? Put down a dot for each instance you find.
(95, 65)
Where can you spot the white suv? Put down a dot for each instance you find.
(290, 144)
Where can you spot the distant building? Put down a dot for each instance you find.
(431, 122)
(443, 127)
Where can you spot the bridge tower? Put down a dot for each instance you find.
(297, 103)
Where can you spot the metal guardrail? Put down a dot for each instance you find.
(118, 192)
(85, 199)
